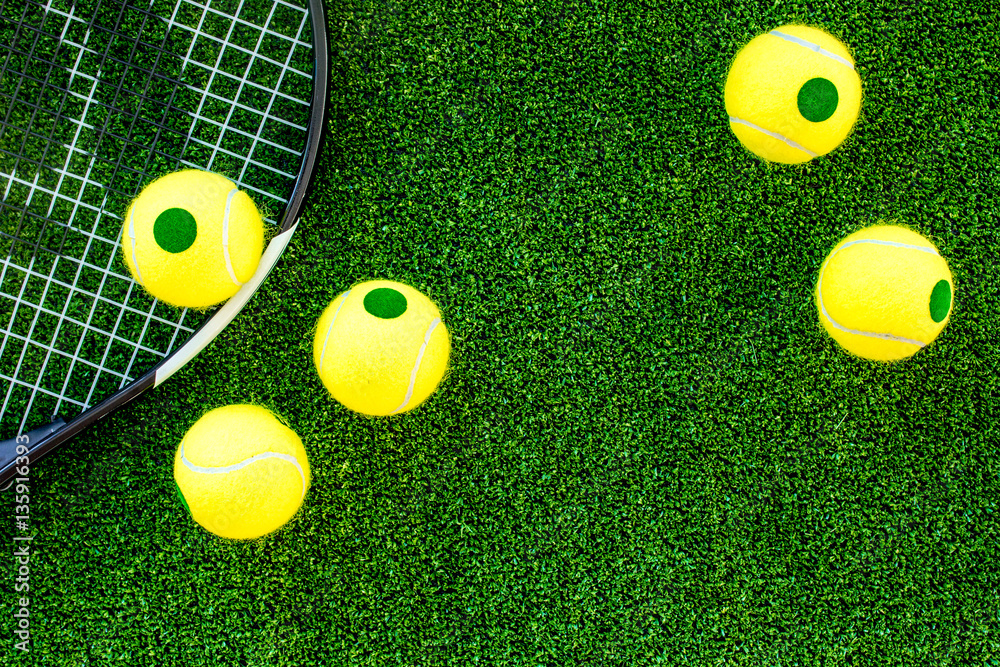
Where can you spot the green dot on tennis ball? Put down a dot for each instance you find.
(818, 99)
(385, 302)
(175, 230)
(940, 300)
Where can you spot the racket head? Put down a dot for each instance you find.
(98, 98)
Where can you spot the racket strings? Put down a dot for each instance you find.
(97, 98)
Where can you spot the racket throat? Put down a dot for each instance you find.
(30, 440)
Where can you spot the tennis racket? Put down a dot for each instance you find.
(97, 99)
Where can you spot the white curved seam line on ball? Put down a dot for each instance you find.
(225, 237)
(221, 470)
(775, 135)
(815, 48)
(131, 235)
(416, 366)
(869, 334)
(326, 339)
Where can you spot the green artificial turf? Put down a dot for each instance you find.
(647, 451)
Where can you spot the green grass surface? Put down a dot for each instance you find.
(647, 451)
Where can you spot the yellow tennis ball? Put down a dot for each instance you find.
(241, 472)
(792, 94)
(381, 348)
(192, 238)
(884, 292)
